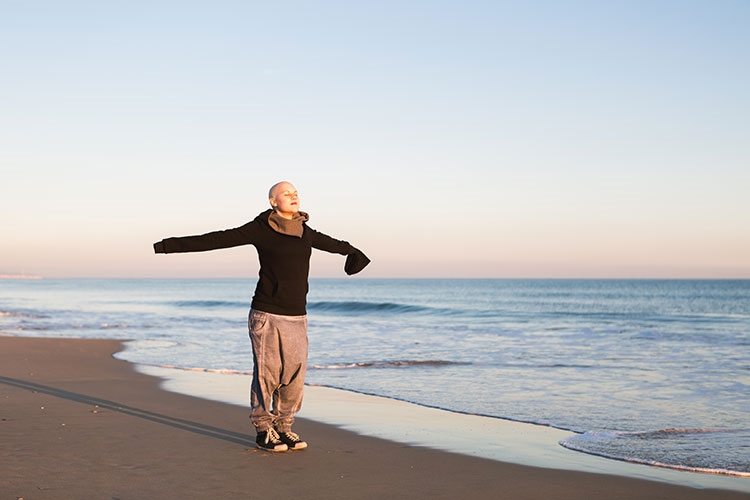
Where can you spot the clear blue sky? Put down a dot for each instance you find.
(443, 138)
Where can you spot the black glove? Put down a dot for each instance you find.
(355, 262)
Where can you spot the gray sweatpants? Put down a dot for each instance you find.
(279, 367)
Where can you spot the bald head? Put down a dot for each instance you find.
(284, 199)
(275, 187)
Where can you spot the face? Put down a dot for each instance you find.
(285, 199)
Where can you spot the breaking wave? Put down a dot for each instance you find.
(355, 307)
(209, 304)
(676, 448)
(17, 314)
(345, 307)
(223, 371)
(387, 364)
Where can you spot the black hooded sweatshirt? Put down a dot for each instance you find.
(284, 259)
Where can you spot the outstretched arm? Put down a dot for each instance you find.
(356, 260)
(228, 238)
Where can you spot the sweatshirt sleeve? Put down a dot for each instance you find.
(214, 240)
(356, 260)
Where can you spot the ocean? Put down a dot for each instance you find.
(650, 371)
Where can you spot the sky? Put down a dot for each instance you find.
(498, 139)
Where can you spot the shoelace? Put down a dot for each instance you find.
(272, 436)
(292, 436)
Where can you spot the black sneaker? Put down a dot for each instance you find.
(269, 441)
(292, 440)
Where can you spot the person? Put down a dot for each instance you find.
(277, 320)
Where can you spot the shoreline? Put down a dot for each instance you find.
(79, 423)
(416, 425)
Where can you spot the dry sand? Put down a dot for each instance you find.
(75, 423)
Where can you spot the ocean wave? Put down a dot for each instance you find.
(75, 326)
(377, 364)
(387, 364)
(222, 371)
(16, 314)
(209, 304)
(353, 307)
(341, 307)
(664, 448)
(331, 307)
(564, 365)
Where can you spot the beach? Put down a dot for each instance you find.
(646, 371)
(78, 423)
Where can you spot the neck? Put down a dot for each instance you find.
(286, 215)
